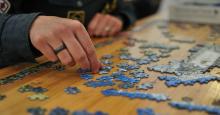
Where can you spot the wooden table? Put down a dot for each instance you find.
(92, 99)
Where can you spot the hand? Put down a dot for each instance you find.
(48, 33)
(104, 25)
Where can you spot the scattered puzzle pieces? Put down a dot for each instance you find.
(25, 72)
(173, 81)
(133, 95)
(29, 88)
(194, 107)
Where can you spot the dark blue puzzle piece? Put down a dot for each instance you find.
(84, 112)
(59, 111)
(39, 89)
(71, 90)
(36, 111)
(145, 111)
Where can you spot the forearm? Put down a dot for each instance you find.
(125, 12)
(14, 38)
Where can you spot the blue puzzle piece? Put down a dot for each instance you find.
(126, 79)
(107, 62)
(193, 107)
(71, 90)
(59, 111)
(126, 85)
(143, 62)
(36, 111)
(39, 89)
(86, 76)
(116, 74)
(84, 112)
(173, 81)
(99, 83)
(145, 111)
(141, 75)
(105, 78)
(133, 95)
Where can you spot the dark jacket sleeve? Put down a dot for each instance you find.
(125, 11)
(15, 44)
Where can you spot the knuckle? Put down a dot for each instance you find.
(59, 29)
(77, 24)
(91, 27)
(52, 58)
(81, 58)
(91, 52)
(39, 40)
(108, 16)
(66, 61)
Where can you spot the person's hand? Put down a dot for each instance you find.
(49, 34)
(104, 25)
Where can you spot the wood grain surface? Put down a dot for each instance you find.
(92, 100)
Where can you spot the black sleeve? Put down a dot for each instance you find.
(15, 44)
(125, 12)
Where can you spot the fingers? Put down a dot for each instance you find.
(100, 29)
(94, 23)
(75, 49)
(104, 25)
(84, 39)
(64, 56)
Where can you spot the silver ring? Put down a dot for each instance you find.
(59, 49)
(107, 29)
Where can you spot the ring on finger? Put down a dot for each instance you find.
(107, 28)
(59, 49)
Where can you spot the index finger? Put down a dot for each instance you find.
(84, 39)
